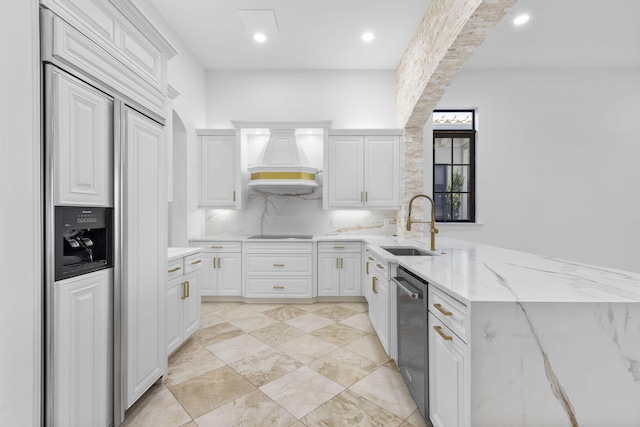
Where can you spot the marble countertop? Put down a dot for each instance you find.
(175, 253)
(473, 272)
(316, 238)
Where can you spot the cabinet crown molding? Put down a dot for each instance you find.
(146, 27)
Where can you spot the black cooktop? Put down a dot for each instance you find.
(282, 236)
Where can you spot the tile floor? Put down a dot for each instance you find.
(279, 365)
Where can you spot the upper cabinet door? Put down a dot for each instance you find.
(382, 171)
(219, 169)
(345, 171)
(82, 140)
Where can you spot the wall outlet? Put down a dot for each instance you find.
(333, 222)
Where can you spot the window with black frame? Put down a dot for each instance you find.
(454, 137)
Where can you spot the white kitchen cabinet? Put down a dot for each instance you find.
(376, 290)
(339, 269)
(381, 171)
(345, 171)
(82, 346)
(144, 249)
(279, 269)
(81, 138)
(175, 309)
(219, 169)
(382, 311)
(113, 43)
(221, 273)
(362, 170)
(183, 301)
(447, 376)
(447, 328)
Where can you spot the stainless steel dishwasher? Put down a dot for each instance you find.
(412, 341)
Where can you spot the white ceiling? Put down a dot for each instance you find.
(325, 34)
(564, 33)
(313, 34)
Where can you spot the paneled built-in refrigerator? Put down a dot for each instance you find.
(105, 249)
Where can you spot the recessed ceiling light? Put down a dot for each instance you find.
(521, 19)
(367, 37)
(259, 37)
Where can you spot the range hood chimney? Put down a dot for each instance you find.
(282, 167)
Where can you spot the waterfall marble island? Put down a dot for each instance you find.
(528, 340)
(545, 342)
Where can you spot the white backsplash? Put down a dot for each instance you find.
(268, 213)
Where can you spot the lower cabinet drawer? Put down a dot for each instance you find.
(339, 247)
(289, 264)
(286, 287)
(175, 268)
(448, 310)
(192, 263)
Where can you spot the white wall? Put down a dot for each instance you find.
(352, 99)
(186, 75)
(20, 259)
(184, 72)
(557, 155)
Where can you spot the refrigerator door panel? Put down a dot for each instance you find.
(82, 348)
(144, 245)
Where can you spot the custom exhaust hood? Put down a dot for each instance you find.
(282, 166)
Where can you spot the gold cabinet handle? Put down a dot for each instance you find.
(219, 265)
(374, 284)
(366, 196)
(370, 258)
(278, 265)
(442, 334)
(214, 263)
(366, 267)
(217, 247)
(442, 310)
(341, 262)
(361, 196)
(380, 266)
(234, 196)
(338, 247)
(184, 290)
(173, 270)
(196, 262)
(337, 262)
(278, 287)
(188, 290)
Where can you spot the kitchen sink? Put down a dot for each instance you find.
(406, 251)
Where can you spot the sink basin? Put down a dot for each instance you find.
(406, 251)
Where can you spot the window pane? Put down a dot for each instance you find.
(459, 181)
(463, 211)
(442, 150)
(441, 174)
(461, 150)
(443, 207)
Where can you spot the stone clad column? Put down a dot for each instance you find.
(447, 36)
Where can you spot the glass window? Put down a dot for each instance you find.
(454, 165)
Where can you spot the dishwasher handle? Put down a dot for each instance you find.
(413, 294)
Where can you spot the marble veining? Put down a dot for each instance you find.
(558, 391)
(269, 213)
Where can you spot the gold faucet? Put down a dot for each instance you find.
(433, 229)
